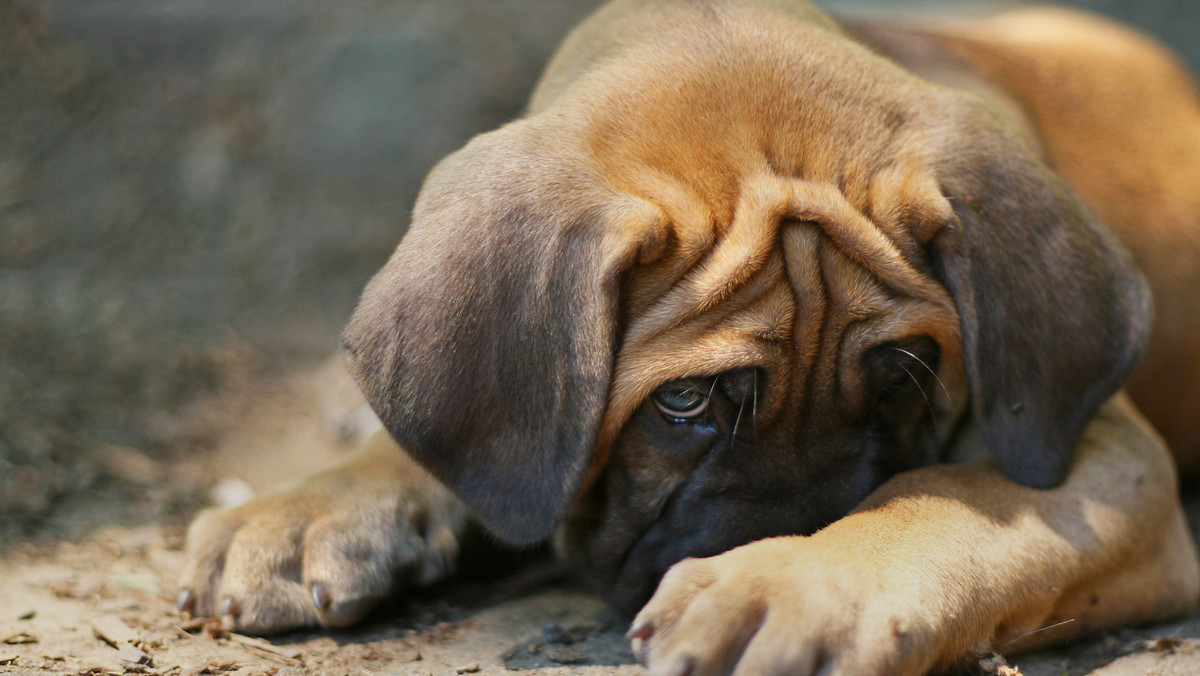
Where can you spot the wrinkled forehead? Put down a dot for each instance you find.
(686, 118)
(795, 256)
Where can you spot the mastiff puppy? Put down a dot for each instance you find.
(807, 340)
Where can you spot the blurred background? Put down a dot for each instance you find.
(193, 192)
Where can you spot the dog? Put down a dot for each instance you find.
(807, 339)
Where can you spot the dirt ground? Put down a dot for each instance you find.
(192, 194)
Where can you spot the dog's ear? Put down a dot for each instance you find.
(486, 343)
(1054, 313)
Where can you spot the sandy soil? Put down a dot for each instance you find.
(100, 607)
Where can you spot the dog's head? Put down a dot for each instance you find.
(716, 290)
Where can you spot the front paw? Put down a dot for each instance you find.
(780, 606)
(326, 550)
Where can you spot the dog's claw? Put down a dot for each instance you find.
(185, 601)
(321, 597)
(343, 613)
(640, 629)
(230, 607)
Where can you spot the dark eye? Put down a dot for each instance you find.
(681, 402)
(903, 367)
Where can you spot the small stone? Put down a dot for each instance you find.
(468, 668)
(566, 656)
(128, 653)
(231, 492)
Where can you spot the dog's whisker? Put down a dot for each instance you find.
(927, 368)
(738, 420)
(754, 404)
(1036, 631)
(928, 404)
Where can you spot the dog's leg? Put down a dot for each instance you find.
(325, 550)
(939, 565)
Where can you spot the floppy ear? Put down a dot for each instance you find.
(486, 343)
(1054, 314)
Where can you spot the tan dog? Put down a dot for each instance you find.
(742, 273)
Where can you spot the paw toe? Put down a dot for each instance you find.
(208, 541)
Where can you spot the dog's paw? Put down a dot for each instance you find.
(324, 551)
(779, 606)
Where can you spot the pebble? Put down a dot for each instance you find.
(566, 656)
(133, 655)
(230, 492)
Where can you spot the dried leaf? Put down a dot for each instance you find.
(1164, 644)
(128, 653)
(20, 638)
(282, 651)
(265, 648)
(113, 631)
(996, 665)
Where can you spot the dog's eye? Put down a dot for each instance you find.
(902, 367)
(680, 402)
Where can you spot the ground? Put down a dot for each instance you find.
(192, 193)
